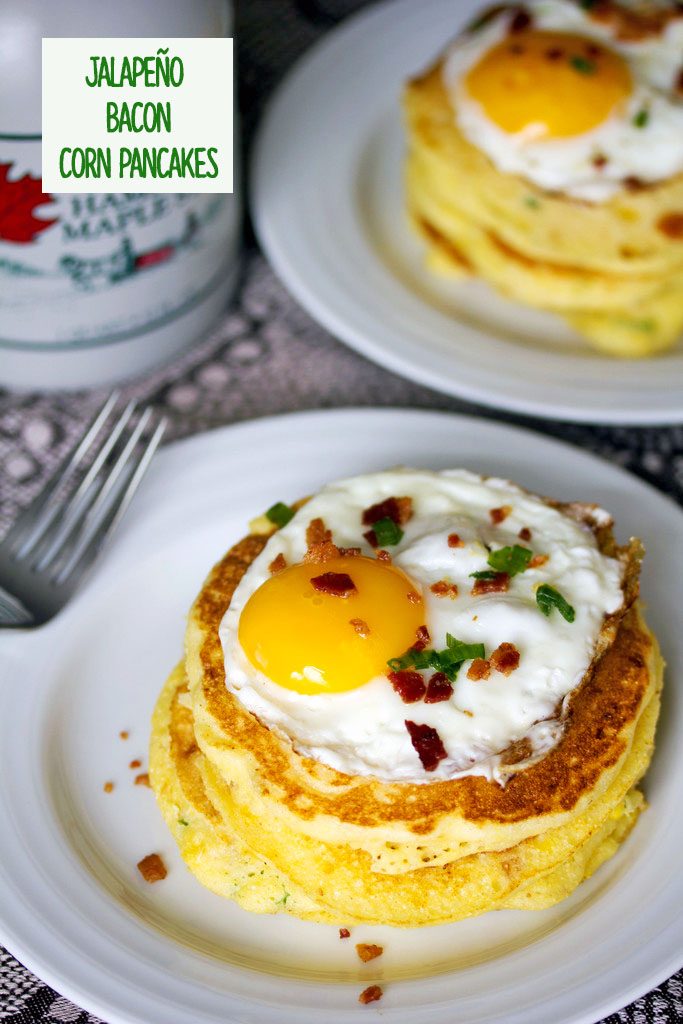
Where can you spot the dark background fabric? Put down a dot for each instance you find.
(267, 356)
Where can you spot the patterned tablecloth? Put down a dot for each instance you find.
(267, 356)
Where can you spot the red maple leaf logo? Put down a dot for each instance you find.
(18, 200)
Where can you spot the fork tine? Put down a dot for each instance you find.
(17, 534)
(75, 524)
(75, 509)
(110, 505)
(12, 611)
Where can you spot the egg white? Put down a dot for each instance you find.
(363, 731)
(650, 153)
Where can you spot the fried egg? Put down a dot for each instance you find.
(565, 97)
(308, 644)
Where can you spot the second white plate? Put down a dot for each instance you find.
(329, 212)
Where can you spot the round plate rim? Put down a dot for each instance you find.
(337, 313)
(211, 442)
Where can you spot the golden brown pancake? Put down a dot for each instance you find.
(209, 828)
(280, 832)
(614, 269)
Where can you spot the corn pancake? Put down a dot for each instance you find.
(279, 832)
(217, 856)
(474, 814)
(190, 792)
(613, 269)
(262, 820)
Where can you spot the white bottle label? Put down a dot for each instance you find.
(82, 270)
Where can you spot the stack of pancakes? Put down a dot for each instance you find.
(276, 831)
(613, 270)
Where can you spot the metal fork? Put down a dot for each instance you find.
(55, 541)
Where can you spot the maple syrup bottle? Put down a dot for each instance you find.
(95, 288)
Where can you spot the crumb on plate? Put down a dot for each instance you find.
(152, 868)
(368, 951)
(370, 995)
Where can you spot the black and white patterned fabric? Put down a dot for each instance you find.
(267, 356)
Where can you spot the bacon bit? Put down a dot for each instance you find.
(325, 551)
(368, 951)
(383, 556)
(525, 533)
(479, 669)
(537, 561)
(521, 21)
(632, 24)
(413, 597)
(633, 184)
(499, 514)
(422, 638)
(349, 552)
(361, 627)
(593, 51)
(427, 744)
(319, 544)
(317, 533)
(337, 584)
(135, 764)
(108, 787)
(505, 659)
(498, 584)
(454, 541)
(278, 564)
(520, 750)
(344, 933)
(516, 48)
(399, 510)
(599, 161)
(124, 734)
(444, 589)
(371, 537)
(409, 685)
(143, 780)
(370, 995)
(152, 868)
(671, 225)
(554, 53)
(439, 688)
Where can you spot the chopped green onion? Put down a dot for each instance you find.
(463, 651)
(279, 514)
(548, 598)
(447, 661)
(510, 559)
(645, 325)
(386, 532)
(582, 65)
(484, 574)
(414, 658)
(641, 118)
(532, 202)
(479, 22)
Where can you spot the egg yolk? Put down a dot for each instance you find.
(311, 641)
(555, 83)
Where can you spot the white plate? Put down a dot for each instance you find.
(328, 209)
(72, 904)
